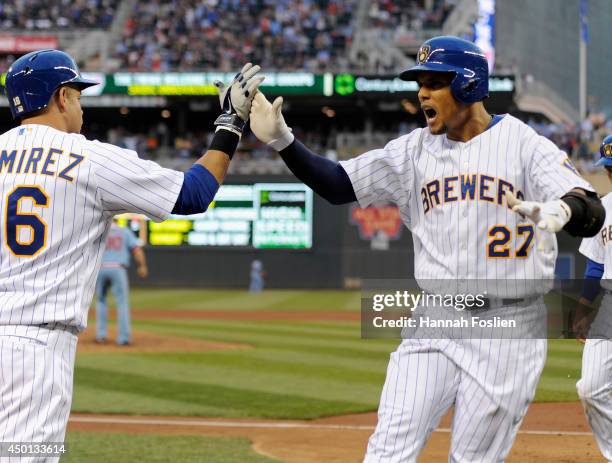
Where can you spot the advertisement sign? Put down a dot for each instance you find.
(260, 215)
(27, 43)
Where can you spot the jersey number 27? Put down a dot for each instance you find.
(501, 235)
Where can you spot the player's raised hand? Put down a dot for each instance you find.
(236, 97)
(268, 123)
(550, 216)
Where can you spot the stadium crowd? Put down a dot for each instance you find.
(162, 35)
(179, 150)
(186, 35)
(311, 35)
(161, 143)
(397, 16)
(581, 141)
(32, 15)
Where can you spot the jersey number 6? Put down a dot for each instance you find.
(15, 221)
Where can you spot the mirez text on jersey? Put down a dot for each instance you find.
(53, 162)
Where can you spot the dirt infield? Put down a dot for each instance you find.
(150, 342)
(551, 433)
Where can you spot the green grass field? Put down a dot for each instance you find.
(122, 448)
(291, 369)
(280, 300)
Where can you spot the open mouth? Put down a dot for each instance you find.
(430, 114)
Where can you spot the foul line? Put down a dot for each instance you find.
(275, 425)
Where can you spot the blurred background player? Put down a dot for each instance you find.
(257, 275)
(593, 327)
(113, 276)
(431, 175)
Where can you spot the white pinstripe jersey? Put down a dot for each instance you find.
(451, 197)
(599, 247)
(58, 195)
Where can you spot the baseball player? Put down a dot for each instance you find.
(595, 385)
(257, 276)
(461, 185)
(120, 243)
(58, 194)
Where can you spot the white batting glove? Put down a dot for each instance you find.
(268, 123)
(236, 98)
(550, 216)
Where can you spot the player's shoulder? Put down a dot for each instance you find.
(107, 149)
(531, 140)
(516, 129)
(399, 148)
(406, 142)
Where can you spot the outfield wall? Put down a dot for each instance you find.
(319, 267)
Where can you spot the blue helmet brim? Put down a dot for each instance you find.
(81, 83)
(411, 74)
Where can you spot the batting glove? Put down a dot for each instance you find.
(550, 216)
(268, 123)
(236, 98)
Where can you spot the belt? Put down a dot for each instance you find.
(493, 303)
(60, 326)
(113, 265)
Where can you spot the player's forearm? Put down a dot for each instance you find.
(202, 180)
(592, 277)
(326, 178)
(587, 213)
(139, 257)
(216, 162)
(220, 152)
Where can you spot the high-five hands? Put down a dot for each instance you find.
(236, 98)
(268, 123)
(550, 216)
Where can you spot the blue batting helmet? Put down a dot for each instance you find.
(605, 150)
(32, 79)
(460, 57)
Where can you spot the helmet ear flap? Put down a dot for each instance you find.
(466, 92)
(470, 86)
